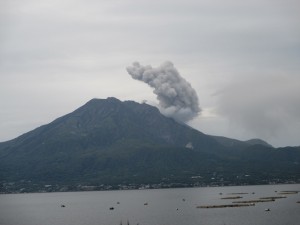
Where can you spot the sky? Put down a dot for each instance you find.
(241, 57)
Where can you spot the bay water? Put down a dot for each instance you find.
(153, 207)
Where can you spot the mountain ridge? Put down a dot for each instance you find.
(110, 142)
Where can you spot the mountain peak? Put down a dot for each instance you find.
(106, 121)
(99, 101)
(257, 141)
(108, 141)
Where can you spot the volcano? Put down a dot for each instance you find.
(108, 143)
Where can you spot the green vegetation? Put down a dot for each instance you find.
(109, 144)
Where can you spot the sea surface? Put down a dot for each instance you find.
(152, 207)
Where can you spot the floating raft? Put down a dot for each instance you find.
(289, 192)
(254, 201)
(232, 197)
(273, 197)
(223, 206)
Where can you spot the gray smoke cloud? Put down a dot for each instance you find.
(177, 98)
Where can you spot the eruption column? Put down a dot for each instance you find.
(177, 98)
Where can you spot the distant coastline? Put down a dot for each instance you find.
(10, 189)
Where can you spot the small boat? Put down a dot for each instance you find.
(146, 203)
(62, 206)
(111, 208)
(267, 210)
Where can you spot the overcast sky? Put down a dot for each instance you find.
(241, 57)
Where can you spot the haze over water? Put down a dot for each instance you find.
(163, 207)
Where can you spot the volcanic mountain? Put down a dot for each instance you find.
(110, 142)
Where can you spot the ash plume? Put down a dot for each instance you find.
(177, 98)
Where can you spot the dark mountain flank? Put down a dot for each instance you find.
(107, 143)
